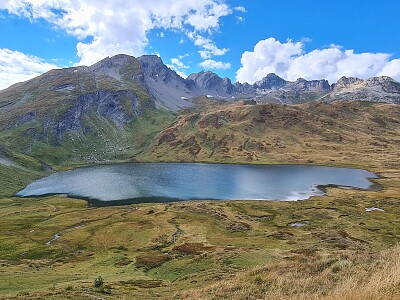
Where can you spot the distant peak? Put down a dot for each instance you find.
(150, 57)
(113, 62)
(272, 75)
(202, 74)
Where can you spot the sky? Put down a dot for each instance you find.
(241, 39)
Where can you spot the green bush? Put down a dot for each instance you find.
(98, 282)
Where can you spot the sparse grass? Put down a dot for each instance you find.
(213, 249)
(328, 276)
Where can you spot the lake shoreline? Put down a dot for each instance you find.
(302, 192)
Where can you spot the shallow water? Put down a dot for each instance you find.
(161, 182)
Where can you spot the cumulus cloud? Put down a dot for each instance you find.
(119, 26)
(290, 61)
(391, 69)
(17, 67)
(212, 64)
(209, 48)
(178, 66)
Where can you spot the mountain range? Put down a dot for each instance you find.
(148, 77)
(116, 107)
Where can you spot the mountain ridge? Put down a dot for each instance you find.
(173, 92)
(117, 107)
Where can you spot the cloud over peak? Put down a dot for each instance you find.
(17, 67)
(212, 64)
(120, 26)
(290, 61)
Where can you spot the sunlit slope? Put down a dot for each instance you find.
(346, 132)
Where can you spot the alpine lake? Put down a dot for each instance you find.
(129, 183)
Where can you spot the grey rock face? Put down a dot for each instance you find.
(376, 89)
(105, 103)
(270, 82)
(319, 86)
(209, 83)
(167, 88)
(26, 118)
(121, 87)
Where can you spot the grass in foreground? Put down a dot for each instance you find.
(219, 249)
(192, 249)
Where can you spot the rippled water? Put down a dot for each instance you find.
(156, 182)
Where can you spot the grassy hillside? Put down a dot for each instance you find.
(80, 115)
(346, 132)
(104, 142)
(213, 249)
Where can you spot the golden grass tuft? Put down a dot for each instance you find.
(358, 276)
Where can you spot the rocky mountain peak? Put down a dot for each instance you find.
(345, 82)
(377, 89)
(388, 84)
(153, 66)
(114, 62)
(271, 81)
(312, 85)
(110, 66)
(209, 81)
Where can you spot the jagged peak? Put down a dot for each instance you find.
(203, 73)
(380, 79)
(150, 58)
(272, 75)
(271, 81)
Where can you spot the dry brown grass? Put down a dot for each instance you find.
(346, 133)
(353, 276)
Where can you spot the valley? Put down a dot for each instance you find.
(202, 249)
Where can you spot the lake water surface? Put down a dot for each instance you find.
(159, 182)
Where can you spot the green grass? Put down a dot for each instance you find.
(104, 143)
(108, 241)
(145, 250)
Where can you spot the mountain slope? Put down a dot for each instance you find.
(114, 109)
(246, 132)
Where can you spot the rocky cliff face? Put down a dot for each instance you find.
(109, 105)
(376, 89)
(167, 89)
(120, 88)
(271, 88)
(209, 83)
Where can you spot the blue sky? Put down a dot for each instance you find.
(244, 40)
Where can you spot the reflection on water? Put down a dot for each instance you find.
(181, 181)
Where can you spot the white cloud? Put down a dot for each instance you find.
(178, 63)
(119, 26)
(17, 67)
(207, 16)
(209, 48)
(212, 64)
(392, 69)
(183, 55)
(239, 19)
(240, 8)
(290, 61)
(178, 66)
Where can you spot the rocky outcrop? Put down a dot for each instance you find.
(270, 82)
(375, 89)
(121, 87)
(167, 89)
(209, 83)
(104, 103)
